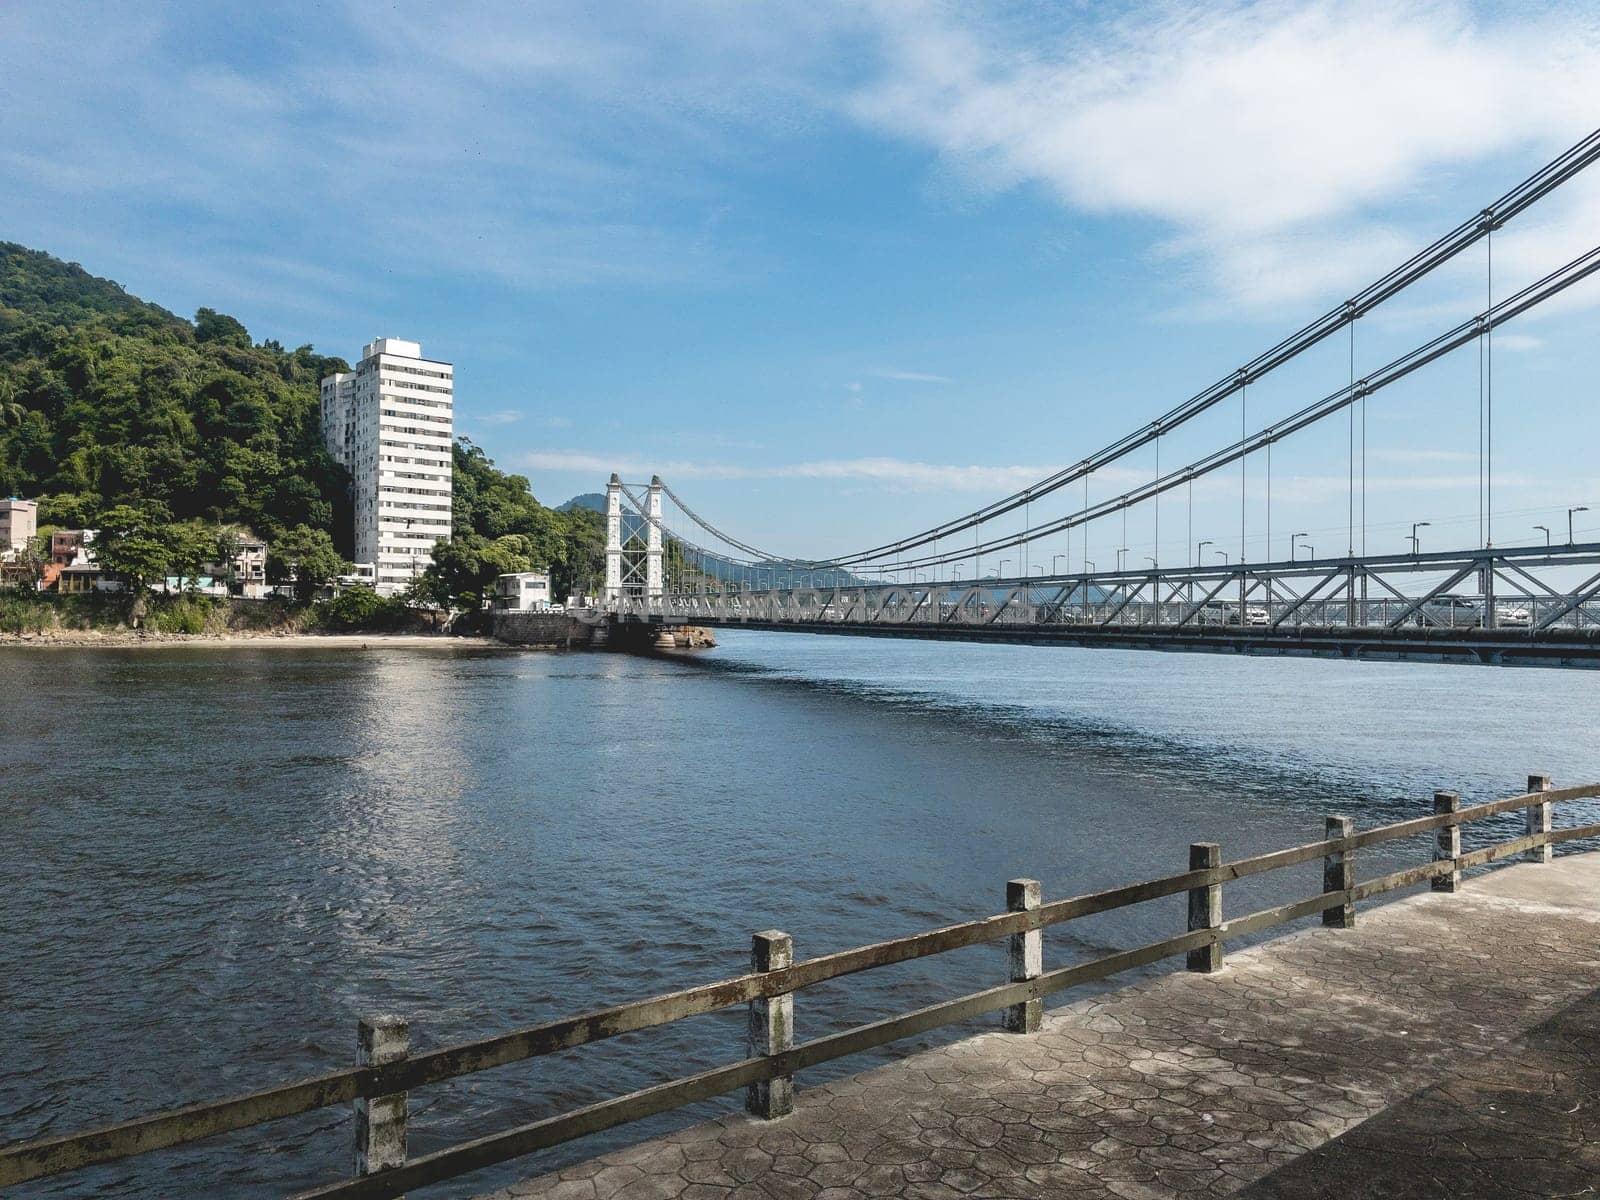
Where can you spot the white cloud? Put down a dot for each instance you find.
(1261, 137)
(907, 376)
(506, 416)
(887, 472)
(1278, 151)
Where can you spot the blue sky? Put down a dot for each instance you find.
(842, 271)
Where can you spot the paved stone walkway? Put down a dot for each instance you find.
(1524, 1121)
(1182, 1085)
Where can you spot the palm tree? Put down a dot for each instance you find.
(11, 410)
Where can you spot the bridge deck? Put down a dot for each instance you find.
(1551, 648)
(1187, 1085)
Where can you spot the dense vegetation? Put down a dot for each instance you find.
(499, 527)
(165, 433)
(106, 400)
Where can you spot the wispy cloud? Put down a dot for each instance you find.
(907, 376)
(887, 472)
(506, 416)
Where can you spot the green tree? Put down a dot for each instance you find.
(31, 559)
(11, 410)
(212, 326)
(194, 545)
(306, 558)
(135, 543)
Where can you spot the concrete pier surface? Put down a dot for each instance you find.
(1445, 1046)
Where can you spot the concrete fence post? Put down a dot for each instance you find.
(1449, 843)
(1339, 875)
(771, 1026)
(1026, 954)
(1205, 906)
(1539, 819)
(381, 1120)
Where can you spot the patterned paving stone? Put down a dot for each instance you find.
(1184, 1085)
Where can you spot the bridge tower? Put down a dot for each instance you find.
(635, 556)
(613, 591)
(653, 558)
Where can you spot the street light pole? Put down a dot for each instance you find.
(1416, 545)
(1570, 511)
(1199, 552)
(1054, 559)
(1120, 552)
(1546, 530)
(1293, 549)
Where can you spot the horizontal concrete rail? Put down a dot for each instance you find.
(52, 1156)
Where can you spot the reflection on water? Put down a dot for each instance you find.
(217, 860)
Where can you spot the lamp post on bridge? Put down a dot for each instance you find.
(1416, 545)
(1570, 511)
(1054, 559)
(1200, 552)
(1546, 530)
(1120, 552)
(1225, 559)
(1293, 549)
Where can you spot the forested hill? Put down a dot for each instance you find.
(107, 401)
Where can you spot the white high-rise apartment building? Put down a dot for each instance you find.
(389, 423)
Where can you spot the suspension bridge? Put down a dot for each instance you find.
(1526, 601)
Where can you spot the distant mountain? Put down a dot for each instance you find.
(595, 501)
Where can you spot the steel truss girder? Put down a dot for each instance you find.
(1299, 596)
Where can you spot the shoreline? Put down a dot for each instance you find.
(130, 639)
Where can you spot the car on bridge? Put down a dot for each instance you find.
(1217, 612)
(1451, 612)
(1513, 616)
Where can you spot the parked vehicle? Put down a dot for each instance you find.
(1513, 616)
(1216, 612)
(1256, 615)
(1451, 612)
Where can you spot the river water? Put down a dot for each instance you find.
(215, 860)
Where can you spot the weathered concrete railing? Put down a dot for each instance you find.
(385, 1071)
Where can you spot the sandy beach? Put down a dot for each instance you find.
(257, 641)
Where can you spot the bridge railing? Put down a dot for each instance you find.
(1525, 589)
(386, 1072)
